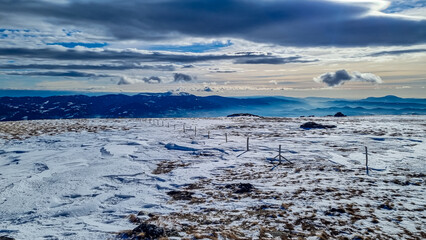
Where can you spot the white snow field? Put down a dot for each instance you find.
(80, 179)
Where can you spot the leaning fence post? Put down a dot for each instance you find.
(366, 159)
(279, 154)
(195, 131)
(184, 127)
(248, 143)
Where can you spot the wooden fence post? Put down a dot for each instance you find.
(248, 143)
(279, 154)
(366, 159)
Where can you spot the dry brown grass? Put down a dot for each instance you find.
(25, 129)
(168, 166)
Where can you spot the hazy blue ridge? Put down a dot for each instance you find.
(170, 104)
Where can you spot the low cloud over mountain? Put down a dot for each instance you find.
(339, 77)
(181, 77)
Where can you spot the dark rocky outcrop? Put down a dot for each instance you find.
(240, 187)
(150, 231)
(6, 238)
(339, 114)
(243, 115)
(310, 125)
(145, 231)
(180, 195)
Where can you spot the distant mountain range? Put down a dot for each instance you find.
(169, 104)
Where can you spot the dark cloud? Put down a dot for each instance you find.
(340, 77)
(127, 81)
(131, 55)
(152, 79)
(291, 22)
(223, 71)
(181, 77)
(188, 66)
(60, 74)
(396, 52)
(90, 67)
(271, 60)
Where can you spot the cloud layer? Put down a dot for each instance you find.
(76, 74)
(339, 77)
(139, 56)
(246, 44)
(118, 67)
(291, 22)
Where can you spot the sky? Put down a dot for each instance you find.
(298, 48)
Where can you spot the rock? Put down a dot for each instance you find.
(40, 167)
(133, 219)
(335, 212)
(244, 188)
(150, 231)
(6, 238)
(240, 187)
(387, 205)
(180, 195)
(339, 114)
(243, 115)
(146, 231)
(309, 125)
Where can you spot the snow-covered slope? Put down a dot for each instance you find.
(79, 179)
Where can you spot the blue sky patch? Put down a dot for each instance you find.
(399, 6)
(194, 48)
(9, 30)
(75, 44)
(70, 33)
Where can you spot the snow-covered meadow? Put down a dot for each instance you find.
(82, 179)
